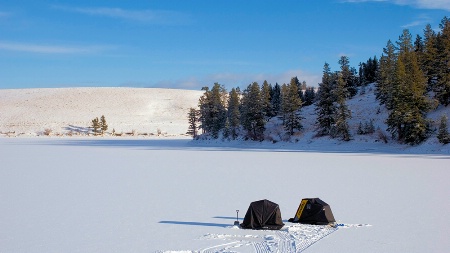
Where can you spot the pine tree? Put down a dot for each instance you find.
(252, 115)
(429, 61)
(213, 110)
(325, 104)
(95, 125)
(299, 86)
(442, 86)
(226, 132)
(368, 71)
(266, 100)
(419, 49)
(343, 114)
(406, 120)
(303, 86)
(103, 125)
(276, 99)
(310, 96)
(234, 115)
(384, 87)
(374, 70)
(369, 128)
(443, 135)
(290, 106)
(348, 76)
(360, 130)
(362, 76)
(193, 121)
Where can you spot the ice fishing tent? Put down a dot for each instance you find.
(263, 214)
(313, 211)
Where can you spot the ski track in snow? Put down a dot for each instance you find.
(293, 238)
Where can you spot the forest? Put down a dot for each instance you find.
(412, 78)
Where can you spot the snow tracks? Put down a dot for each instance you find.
(295, 238)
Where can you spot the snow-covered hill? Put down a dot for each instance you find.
(364, 109)
(67, 111)
(150, 113)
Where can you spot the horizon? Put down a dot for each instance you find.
(178, 45)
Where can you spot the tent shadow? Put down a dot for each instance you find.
(193, 223)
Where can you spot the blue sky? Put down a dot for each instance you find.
(190, 44)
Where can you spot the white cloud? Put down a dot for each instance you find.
(420, 4)
(433, 4)
(361, 1)
(144, 16)
(422, 20)
(51, 49)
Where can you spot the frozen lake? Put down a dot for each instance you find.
(142, 195)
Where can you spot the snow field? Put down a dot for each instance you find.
(117, 195)
(29, 112)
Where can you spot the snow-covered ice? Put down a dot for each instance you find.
(143, 195)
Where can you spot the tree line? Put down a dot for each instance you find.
(245, 113)
(411, 78)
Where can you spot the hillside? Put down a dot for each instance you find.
(163, 113)
(364, 109)
(70, 110)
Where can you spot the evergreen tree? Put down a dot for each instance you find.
(419, 48)
(310, 96)
(266, 100)
(429, 60)
(103, 125)
(374, 70)
(95, 125)
(213, 110)
(369, 71)
(343, 114)
(384, 87)
(290, 106)
(360, 130)
(406, 120)
(325, 104)
(226, 132)
(303, 86)
(362, 76)
(193, 122)
(252, 115)
(442, 86)
(348, 76)
(234, 115)
(369, 128)
(299, 86)
(276, 99)
(443, 135)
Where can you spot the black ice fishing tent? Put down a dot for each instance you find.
(313, 211)
(263, 214)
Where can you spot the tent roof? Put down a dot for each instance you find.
(263, 214)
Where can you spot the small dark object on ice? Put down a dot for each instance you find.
(236, 223)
